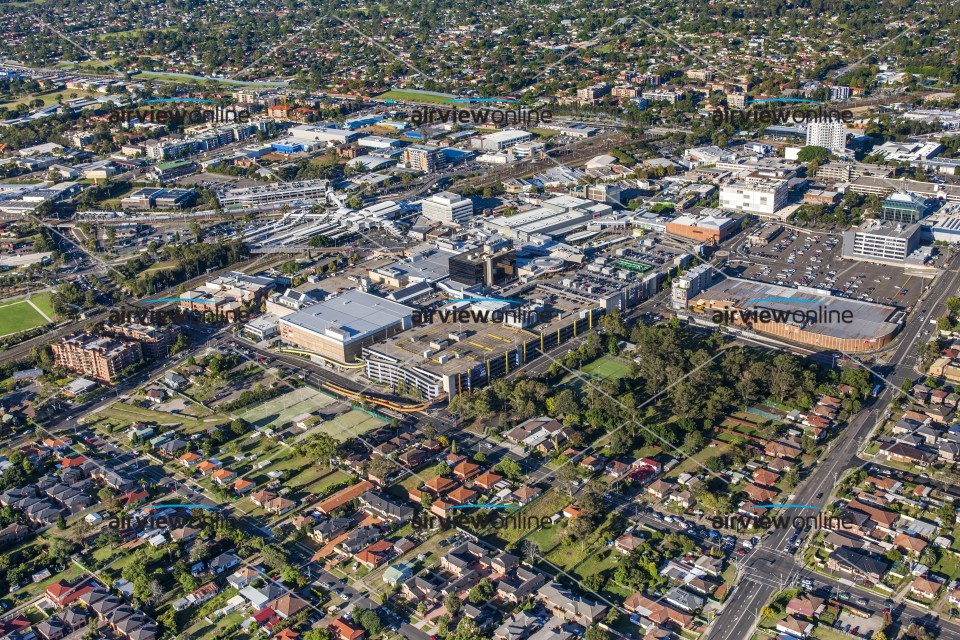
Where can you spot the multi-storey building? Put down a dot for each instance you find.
(448, 207)
(95, 356)
(829, 135)
(762, 198)
(423, 158)
(881, 242)
(155, 341)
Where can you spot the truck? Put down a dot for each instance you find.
(876, 391)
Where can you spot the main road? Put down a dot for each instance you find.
(768, 568)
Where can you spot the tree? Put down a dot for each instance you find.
(579, 530)
(792, 478)
(510, 468)
(61, 522)
(813, 153)
(81, 529)
(453, 604)
(369, 620)
(482, 592)
(531, 551)
(596, 632)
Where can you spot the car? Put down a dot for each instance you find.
(819, 495)
(862, 602)
(844, 595)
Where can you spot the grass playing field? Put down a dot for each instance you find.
(23, 315)
(607, 367)
(414, 96)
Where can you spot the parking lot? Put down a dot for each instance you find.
(796, 259)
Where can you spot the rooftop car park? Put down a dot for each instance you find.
(803, 259)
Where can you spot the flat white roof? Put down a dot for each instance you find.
(351, 316)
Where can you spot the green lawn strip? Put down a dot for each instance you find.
(414, 96)
(19, 316)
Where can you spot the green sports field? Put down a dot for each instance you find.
(607, 367)
(23, 315)
(415, 96)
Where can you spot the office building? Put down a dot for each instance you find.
(883, 242)
(905, 207)
(448, 207)
(95, 356)
(423, 157)
(829, 135)
(484, 267)
(763, 198)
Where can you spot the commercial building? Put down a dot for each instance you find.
(554, 217)
(814, 319)
(170, 170)
(311, 133)
(95, 356)
(905, 208)
(830, 135)
(152, 197)
(764, 198)
(885, 186)
(850, 171)
(486, 268)
(709, 229)
(448, 207)
(701, 156)
(501, 140)
(423, 157)
(453, 357)
(339, 328)
(882, 242)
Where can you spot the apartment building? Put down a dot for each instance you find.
(95, 356)
(591, 94)
(155, 342)
(423, 157)
(829, 135)
(690, 284)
